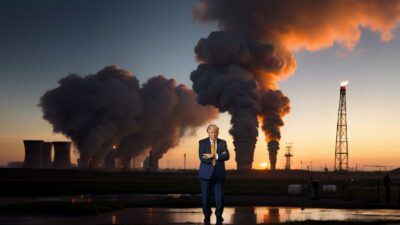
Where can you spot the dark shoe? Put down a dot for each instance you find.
(219, 220)
(207, 220)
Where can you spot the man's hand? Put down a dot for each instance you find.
(207, 156)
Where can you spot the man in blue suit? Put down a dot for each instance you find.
(213, 153)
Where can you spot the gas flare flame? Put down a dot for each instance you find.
(344, 83)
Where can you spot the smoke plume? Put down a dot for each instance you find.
(109, 107)
(257, 39)
(231, 88)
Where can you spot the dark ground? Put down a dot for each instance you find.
(40, 182)
(252, 188)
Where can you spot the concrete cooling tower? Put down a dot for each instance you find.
(33, 153)
(62, 158)
(46, 155)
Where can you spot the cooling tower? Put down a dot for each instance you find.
(33, 153)
(46, 155)
(62, 159)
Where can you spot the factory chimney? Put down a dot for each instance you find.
(33, 153)
(150, 164)
(109, 161)
(62, 159)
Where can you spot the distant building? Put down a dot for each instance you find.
(15, 164)
(109, 161)
(150, 164)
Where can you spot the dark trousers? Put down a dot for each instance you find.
(207, 187)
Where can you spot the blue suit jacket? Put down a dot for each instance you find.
(206, 167)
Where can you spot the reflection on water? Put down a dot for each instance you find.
(232, 215)
(90, 198)
(241, 214)
(272, 216)
(113, 219)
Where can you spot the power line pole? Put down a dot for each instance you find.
(288, 155)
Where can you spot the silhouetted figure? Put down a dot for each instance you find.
(378, 190)
(350, 189)
(387, 182)
(90, 164)
(314, 188)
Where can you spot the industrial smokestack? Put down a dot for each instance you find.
(109, 160)
(273, 147)
(62, 159)
(150, 164)
(274, 105)
(33, 154)
(46, 154)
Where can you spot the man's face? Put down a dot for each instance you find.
(213, 134)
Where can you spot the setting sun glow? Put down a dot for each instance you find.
(263, 165)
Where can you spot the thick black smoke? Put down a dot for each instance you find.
(109, 107)
(95, 111)
(231, 88)
(237, 75)
(169, 112)
(274, 105)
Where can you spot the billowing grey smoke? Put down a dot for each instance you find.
(235, 76)
(274, 105)
(231, 88)
(95, 111)
(180, 114)
(273, 147)
(107, 108)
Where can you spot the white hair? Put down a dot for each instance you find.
(212, 127)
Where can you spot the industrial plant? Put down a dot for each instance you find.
(38, 154)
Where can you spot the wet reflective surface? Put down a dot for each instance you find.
(89, 198)
(232, 215)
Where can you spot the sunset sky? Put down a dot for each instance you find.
(43, 41)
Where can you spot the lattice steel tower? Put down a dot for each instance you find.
(341, 147)
(288, 155)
